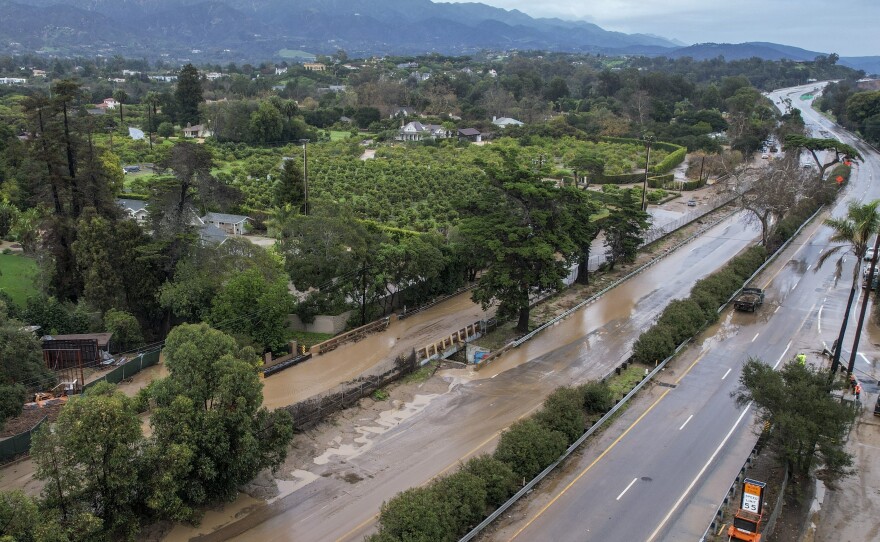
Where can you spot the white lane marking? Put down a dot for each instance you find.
(809, 266)
(627, 488)
(725, 374)
(819, 320)
(686, 422)
(699, 474)
(777, 309)
(756, 336)
(865, 358)
(783, 355)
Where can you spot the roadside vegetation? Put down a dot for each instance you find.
(363, 237)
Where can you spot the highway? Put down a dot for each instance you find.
(663, 478)
(338, 494)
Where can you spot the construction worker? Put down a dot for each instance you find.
(801, 359)
(858, 390)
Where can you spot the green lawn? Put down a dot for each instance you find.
(18, 277)
(336, 135)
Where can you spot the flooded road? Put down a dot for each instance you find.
(351, 360)
(342, 501)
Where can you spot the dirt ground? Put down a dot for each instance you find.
(851, 510)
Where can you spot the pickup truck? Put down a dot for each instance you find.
(749, 299)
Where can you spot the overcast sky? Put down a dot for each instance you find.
(845, 27)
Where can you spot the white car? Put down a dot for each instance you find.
(869, 254)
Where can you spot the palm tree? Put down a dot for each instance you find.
(854, 231)
(151, 99)
(120, 96)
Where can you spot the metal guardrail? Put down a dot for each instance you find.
(574, 446)
(595, 297)
(543, 474)
(773, 256)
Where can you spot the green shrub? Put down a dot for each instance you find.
(463, 496)
(414, 514)
(564, 412)
(380, 395)
(654, 345)
(499, 479)
(529, 447)
(598, 398)
(12, 397)
(684, 318)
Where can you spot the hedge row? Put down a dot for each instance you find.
(672, 160)
(682, 319)
(450, 506)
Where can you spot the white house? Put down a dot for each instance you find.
(504, 122)
(12, 81)
(199, 130)
(416, 131)
(231, 224)
(135, 208)
(281, 71)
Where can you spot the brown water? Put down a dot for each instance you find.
(351, 360)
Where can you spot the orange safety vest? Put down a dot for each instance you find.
(858, 389)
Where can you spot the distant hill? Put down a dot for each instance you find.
(257, 29)
(767, 51)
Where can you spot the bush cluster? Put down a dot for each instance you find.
(450, 506)
(682, 319)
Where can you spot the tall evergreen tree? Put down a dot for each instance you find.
(188, 95)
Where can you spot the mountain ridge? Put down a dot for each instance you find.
(255, 30)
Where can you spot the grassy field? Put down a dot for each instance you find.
(307, 338)
(337, 135)
(18, 277)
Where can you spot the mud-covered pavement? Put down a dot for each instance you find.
(408, 444)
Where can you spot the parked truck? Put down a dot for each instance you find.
(749, 299)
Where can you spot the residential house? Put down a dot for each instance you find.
(281, 71)
(12, 81)
(213, 76)
(504, 122)
(108, 103)
(116, 79)
(199, 130)
(164, 78)
(211, 234)
(314, 66)
(135, 208)
(470, 134)
(416, 131)
(130, 73)
(405, 111)
(408, 66)
(39, 73)
(231, 224)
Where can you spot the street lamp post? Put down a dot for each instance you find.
(305, 176)
(648, 141)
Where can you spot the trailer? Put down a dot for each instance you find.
(749, 299)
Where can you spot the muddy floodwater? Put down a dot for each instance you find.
(351, 360)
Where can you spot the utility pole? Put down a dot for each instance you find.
(305, 143)
(648, 141)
